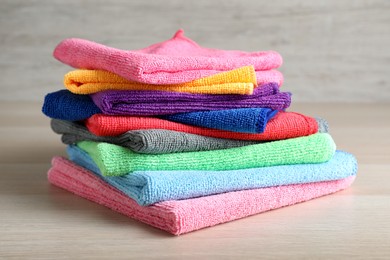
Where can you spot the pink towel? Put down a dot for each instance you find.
(174, 61)
(182, 216)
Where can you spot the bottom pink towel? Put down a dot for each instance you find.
(183, 216)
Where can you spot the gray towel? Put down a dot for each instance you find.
(154, 141)
(323, 126)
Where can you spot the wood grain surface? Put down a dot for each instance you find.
(334, 51)
(40, 221)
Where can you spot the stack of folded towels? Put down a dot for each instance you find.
(183, 137)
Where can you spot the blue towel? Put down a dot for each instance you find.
(149, 187)
(245, 120)
(65, 105)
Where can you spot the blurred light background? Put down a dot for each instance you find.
(334, 51)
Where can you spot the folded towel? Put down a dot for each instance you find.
(174, 61)
(183, 216)
(238, 81)
(145, 103)
(284, 125)
(154, 141)
(68, 106)
(65, 105)
(243, 120)
(150, 187)
(114, 160)
(246, 120)
(323, 126)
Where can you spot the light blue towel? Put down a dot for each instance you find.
(149, 187)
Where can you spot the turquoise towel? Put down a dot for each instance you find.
(149, 187)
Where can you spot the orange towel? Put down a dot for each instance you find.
(283, 126)
(238, 81)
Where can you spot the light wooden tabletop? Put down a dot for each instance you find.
(38, 220)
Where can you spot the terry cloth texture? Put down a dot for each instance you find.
(238, 81)
(150, 187)
(174, 61)
(67, 106)
(244, 120)
(145, 103)
(284, 125)
(153, 141)
(183, 216)
(114, 160)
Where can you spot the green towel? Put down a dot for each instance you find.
(114, 160)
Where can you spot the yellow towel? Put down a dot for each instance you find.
(238, 81)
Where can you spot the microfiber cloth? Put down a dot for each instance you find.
(114, 160)
(238, 81)
(282, 126)
(68, 106)
(65, 105)
(153, 141)
(243, 120)
(150, 187)
(323, 126)
(246, 120)
(146, 103)
(183, 216)
(174, 61)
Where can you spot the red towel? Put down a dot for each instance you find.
(283, 126)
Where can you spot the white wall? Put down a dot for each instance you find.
(337, 51)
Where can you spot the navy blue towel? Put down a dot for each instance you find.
(65, 105)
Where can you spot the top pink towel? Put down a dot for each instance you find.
(174, 61)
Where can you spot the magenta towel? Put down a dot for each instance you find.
(174, 61)
(142, 103)
(183, 216)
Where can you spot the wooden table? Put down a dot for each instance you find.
(38, 220)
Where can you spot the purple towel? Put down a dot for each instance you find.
(141, 103)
